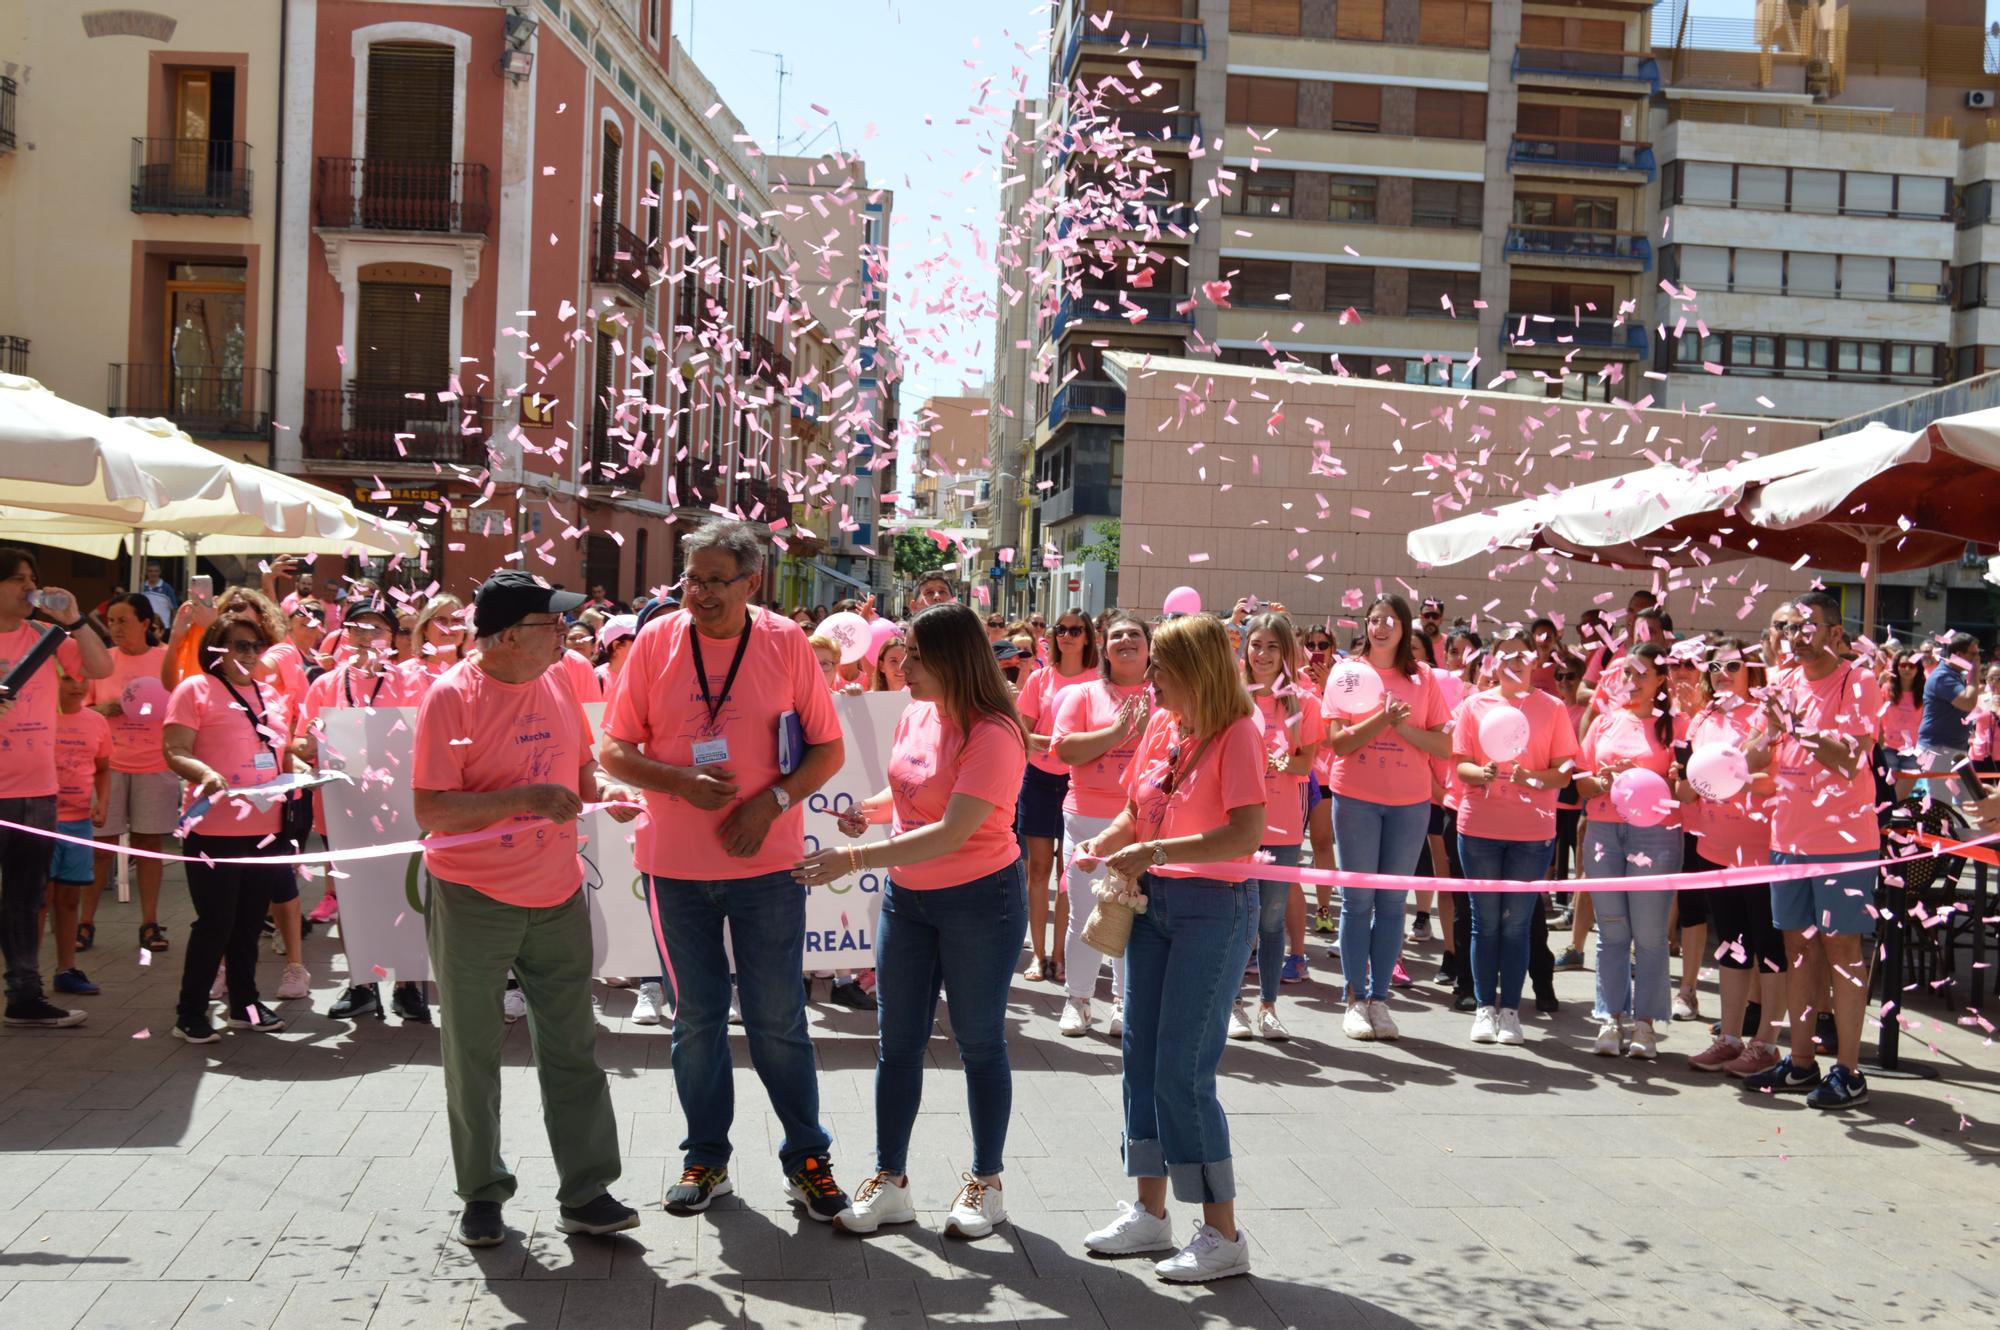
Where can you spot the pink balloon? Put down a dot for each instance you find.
(1503, 733)
(145, 698)
(1718, 771)
(1354, 688)
(1182, 600)
(879, 634)
(1641, 796)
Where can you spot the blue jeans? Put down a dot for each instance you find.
(767, 924)
(962, 941)
(1272, 897)
(1182, 969)
(1374, 838)
(1500, 919)
(1632, 977)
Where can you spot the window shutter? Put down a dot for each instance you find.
(1358, 20)
(1262, 281)
(1453, 23)
(1277, 17)
(1357, 106)
(1443, 114)
(1350, 285)
(1236, 100)
(405, 335)
(409, 102)
(1539, 31)
(1596, 34)
(1274, 102)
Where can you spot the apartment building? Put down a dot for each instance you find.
(1014, 416)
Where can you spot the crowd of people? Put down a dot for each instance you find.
(1043, 777)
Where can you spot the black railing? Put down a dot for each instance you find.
(14, 355)
(7, 89)
(209, 176)
(763, 360)
(205, 401)
(370, 194)
(623, 259)
(610, 462)
(386, 424)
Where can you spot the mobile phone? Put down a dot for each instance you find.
(1969, 786)
(201, 589)
(1316, 657)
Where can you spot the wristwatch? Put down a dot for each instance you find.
(784, 800)
(1159, 855)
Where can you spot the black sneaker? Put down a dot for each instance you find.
(257, 1017)
(1464, 1002)
(359, 1000)
(1785, 1078)
(850, 993)
(481, 1225)
(411, 1006)
(197, 1031)
(1447, 975)
(811, 1184)
(598, 1217)
(1546, 1004)
(40, 1013)
(699, 1185)
(1841, 1089)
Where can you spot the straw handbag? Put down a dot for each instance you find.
(1109, 927)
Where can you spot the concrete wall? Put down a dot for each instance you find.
(1759, 146)
(1806, 398)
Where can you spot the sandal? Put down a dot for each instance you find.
(1035, 973)
(153, 937)
(86, 936)
(1056, 971)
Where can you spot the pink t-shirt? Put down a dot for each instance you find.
(135, 738)
(476, 733)
(1899, 724)
(1096, 789)
(929, 763)
(230, 741)
(1733, 832)
(290, 665)
(1284, 793)
(1229, 774)
(658, 706)
(582, 676)
(1623, 734)
(1039, 699)
(1816, 810)
(83, 739)
(1388, 769)
(28, 730)
(1980, 747)
(1503, 809)
(1444, 770)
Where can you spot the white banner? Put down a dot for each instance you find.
(382, 901)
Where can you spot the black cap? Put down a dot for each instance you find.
(1006, 651)
(373, 609)
(510, 596)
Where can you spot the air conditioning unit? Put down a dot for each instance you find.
(1979, 99)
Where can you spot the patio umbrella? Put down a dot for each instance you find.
(1614, 516)
(61, 457)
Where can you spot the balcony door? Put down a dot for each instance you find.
(402, 356)
(206, 344)
(407, 176)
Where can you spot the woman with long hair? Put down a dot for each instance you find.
(1292, 735)
(1467, 670)
(144, 798)
(1382, 807)
(889, 673)
(440, 634)
(1194, 795)
(1507, 826)
(1903, 695)
(952, 913)
(226, 730)
(1097, 731)
(1635, 729)
(1749, 950)
(1045, 785)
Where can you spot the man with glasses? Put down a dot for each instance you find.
(502, 744)
(1432, 616)
(696, 721)
(1944, 732)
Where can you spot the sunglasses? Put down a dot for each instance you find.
(1726, 667)
(244, 646)
(1069, 630)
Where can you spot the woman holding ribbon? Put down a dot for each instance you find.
(145, 796)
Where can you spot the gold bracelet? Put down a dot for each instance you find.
(853, 859)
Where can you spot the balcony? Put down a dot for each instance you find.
(207, 177)
(623, 260)
(384, 424)
(1123, 39)
(1148, 308)
(761, 499)
(369, 194)
(1557, 334)
(1623, 249)
(13, 355)
(763, 360)
(7, 90)
(806, 404)
(1160, 221)
(610, 462)
(1177, 129)
(1561, 154)
(1086, 398)
(207, 403)
(1535, 64)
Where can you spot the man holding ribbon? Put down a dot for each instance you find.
(721, 715)
(502, 746)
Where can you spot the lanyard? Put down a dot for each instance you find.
(347, 685)
(716, 704)
(255, 715)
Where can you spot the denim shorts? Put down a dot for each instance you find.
(1838, 903)
(73, 866)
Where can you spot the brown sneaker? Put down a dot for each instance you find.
(1755, 1057)
(1717, 1055)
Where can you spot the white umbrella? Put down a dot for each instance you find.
(1615, 513)
(66, 458)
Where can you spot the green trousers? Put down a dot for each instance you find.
(474, 941)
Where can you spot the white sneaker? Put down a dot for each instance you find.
(1115, 1027)
(1135, 1230)
(1485, 1026)
(1270, 1027)
(1356, 1024)
(295, 984)
(514, 1005)
(646, 1008)
(1609, 1040)
(278, 943)
(1075, 1021)
(1383, 1023)
(1510, 1027)
(975, 1210)
(878, 1201)
(1207, 1256)
(1239, 1023)
(1645, 1044)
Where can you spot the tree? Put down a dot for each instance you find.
(1104, 549)
(917, 554)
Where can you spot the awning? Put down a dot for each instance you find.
(854, 582)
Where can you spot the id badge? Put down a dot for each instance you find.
(266, 762)
(709, 752)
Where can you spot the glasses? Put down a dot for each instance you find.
(1039, 623)
(1565, 676)
(244, 646)
(1725, 667)
(1069, 630)
(540, 623)
(709, 586)
(1787, 629)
